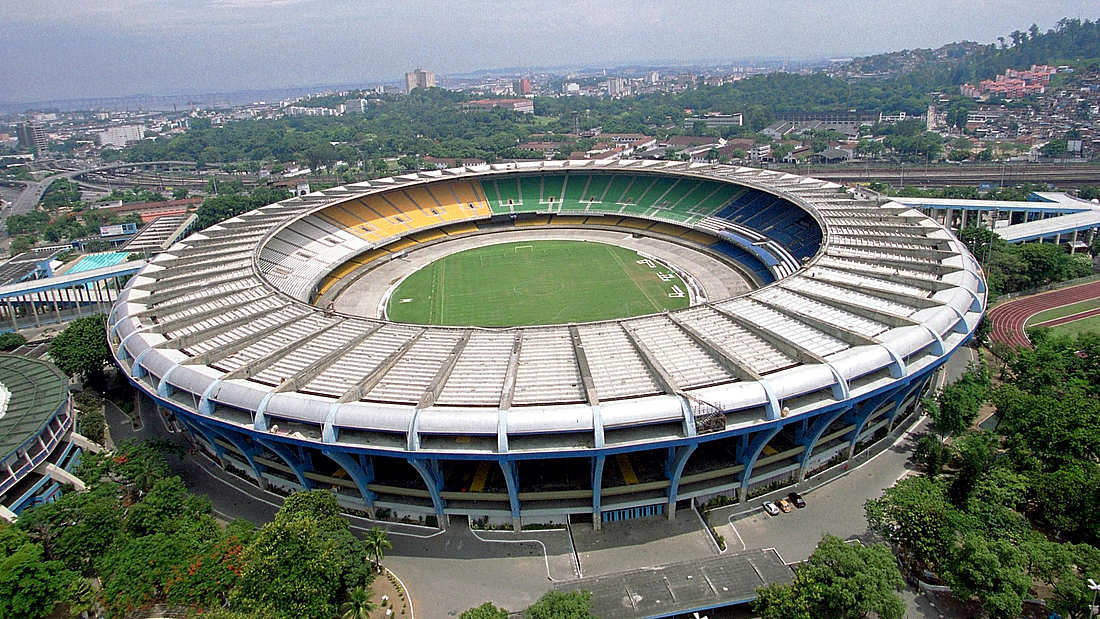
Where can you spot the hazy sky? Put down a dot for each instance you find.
(52, 49)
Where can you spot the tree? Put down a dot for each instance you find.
(179, 193)
(20, 244)
(915, 517)
(376, 545)
(839, 580)
(561, 605)
(304, 563)
(11, 340)
(485, 611)
(359, 604)
(991, 570)
(81, 349)
(30, 586)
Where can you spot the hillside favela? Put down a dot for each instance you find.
(480, 310)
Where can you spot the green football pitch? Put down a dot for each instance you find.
(536, 283)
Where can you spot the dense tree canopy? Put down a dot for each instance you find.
(839, 580)
(81, 349)
(1014, 514)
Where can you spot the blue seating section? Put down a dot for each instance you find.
(745, 259)
(775, 218)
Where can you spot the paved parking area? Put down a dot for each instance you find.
(631, 544)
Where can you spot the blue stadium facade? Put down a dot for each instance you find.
(857, 303)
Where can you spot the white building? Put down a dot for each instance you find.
(121, 135)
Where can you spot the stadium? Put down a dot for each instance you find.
(534, 342)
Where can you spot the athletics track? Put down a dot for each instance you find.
(1008, 318)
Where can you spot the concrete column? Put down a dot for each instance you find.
(292, 460)
(11, 315)
(34, 311)
(511, 480)
(749, 453)
(597, 490)
(809, 439)
(361, 471)
(429, 472)
(674, 469)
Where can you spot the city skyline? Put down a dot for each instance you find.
(53, 50)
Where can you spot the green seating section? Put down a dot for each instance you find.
(683, 200)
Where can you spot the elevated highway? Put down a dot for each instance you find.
(33, 192)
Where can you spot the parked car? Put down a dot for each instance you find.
(783, 505)
(797, 500)
(771, 508)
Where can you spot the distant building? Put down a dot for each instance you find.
(32, 136)
(419, 79)
(523, 106)
(120, 136)
(616, 87)
(714, 121)
(522, 86)
(355, 106)
(760, 152)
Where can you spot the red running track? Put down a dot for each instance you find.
(1008, 318)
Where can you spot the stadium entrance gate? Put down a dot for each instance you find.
(632, 513)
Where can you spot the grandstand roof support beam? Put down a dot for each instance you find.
(164, 309)
(661, 376)
(585, 371)
(729, 363)
(314, 369)
(436, 386)
(841, 333)
(358, 391)
(228, 350)
(508, 391)
(886, 318)
(256, 366)
(932, 285)
(785, 346)
(191, 339)
(894, 297)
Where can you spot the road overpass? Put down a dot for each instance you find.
(33, 192)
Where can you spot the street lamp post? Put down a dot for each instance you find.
(1093, 609)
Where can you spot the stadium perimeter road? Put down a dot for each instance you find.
(364, 297)
(836, 507)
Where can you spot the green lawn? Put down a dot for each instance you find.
(534, 283)
(1065, 310)
(1077, 327)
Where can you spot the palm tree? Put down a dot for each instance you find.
(359, 604)
(376, 546)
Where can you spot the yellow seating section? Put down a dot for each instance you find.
(567, 220)
(535, 221)
(635, 223)
(460, 229)
(699, 237)
(428, 235)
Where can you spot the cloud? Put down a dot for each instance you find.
(57, 48)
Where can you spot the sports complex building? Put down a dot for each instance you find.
(38, 446)
(814, 322)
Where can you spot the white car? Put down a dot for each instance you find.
(771, 508)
